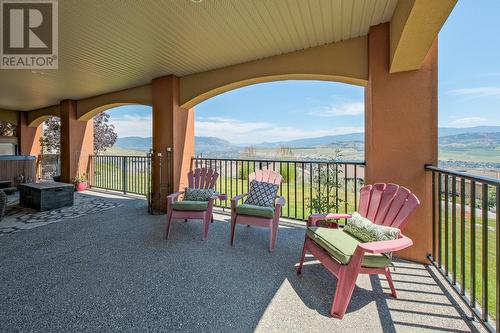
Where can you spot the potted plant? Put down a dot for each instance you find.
(80, 183)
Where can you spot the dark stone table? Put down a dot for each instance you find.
(46, 195)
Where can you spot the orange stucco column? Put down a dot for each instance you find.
(77, 142)
(401, 132)
(28, 137)
(173, 133)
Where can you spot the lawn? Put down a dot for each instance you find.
(477, 263)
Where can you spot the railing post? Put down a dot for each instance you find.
(125, 174)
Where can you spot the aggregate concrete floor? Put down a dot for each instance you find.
(113, 271)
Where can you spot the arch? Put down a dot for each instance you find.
(345, 62)
(89, 107)
(36, 117)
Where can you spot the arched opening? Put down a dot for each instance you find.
(122, 142)
(309, 131)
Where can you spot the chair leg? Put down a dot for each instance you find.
(233, 227)
(302, 257)
(206, 224)
(169, 224)
(212, 219)
(343, 293)
(273, 235)
(388, 276)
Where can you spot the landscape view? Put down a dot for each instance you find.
(474, 149)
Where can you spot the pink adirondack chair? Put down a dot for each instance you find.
(384, 204)
(268, 176)
(202, 178)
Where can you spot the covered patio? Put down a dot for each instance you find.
(105, 272)
(112, 269)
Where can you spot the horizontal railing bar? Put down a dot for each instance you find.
(469, 176)
(280, 161)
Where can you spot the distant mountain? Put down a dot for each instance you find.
(202, 144)
(447, 131)
(314, 142)
(471, 140)
(205, 144)
(134, 142)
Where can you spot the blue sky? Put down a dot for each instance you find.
(469, 92)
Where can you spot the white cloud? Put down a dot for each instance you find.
(477, 92)
(468, 121)
(344, 109)
(132, 125)
(240, 132)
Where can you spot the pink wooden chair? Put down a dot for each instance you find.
(201, 178)
(259, 216)
(384, 204)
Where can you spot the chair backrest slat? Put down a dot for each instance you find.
(387, 204)
(265, 175)
(202, 178)
(364, 199)
(376, 197)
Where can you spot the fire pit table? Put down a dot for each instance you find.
(46, 195)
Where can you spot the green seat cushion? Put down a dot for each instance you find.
(190, 205)
(252, 210)
(341, 246)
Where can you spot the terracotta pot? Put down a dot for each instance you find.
(81, 186)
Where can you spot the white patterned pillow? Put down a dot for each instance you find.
(198, 194)
(367, 231)
(262, 194)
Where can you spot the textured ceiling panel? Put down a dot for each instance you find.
(108, 45)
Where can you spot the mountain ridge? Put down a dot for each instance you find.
(202, 143)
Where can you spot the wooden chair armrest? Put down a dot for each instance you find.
(281, 201)
(386, 246)
(313, 219)
(221, 196)
(173, 196)
(277, 207)
(237, 198)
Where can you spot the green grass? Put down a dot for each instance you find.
(297, 196)
(109, 175)
(478, 265)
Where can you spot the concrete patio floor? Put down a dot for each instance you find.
(113, 271)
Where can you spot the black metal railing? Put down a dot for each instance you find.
(308, 186)
(127, 174)
(466, 239)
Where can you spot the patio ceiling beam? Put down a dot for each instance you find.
(413, 29)
(345, 61)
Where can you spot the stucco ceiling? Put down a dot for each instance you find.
(110, 45)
